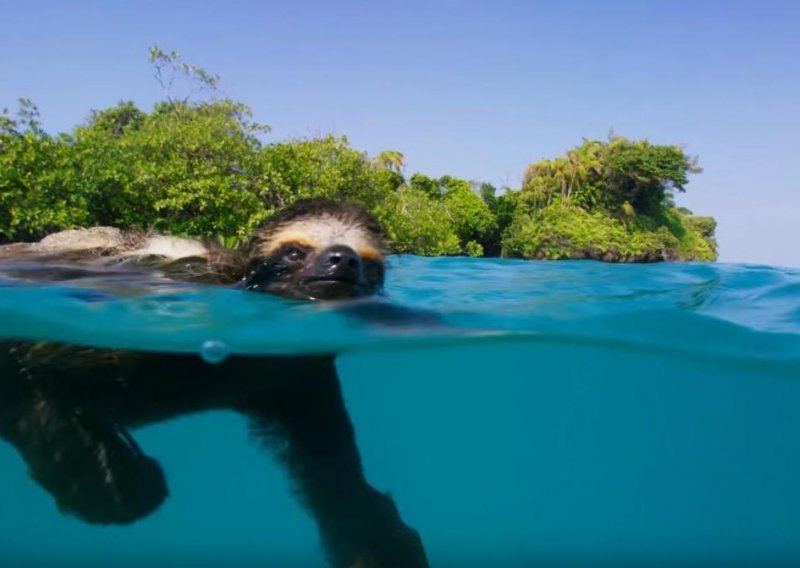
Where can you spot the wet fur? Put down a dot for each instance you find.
(108, 247)
(67, 410)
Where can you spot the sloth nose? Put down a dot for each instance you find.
(341, 257)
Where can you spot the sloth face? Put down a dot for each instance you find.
(318, 250)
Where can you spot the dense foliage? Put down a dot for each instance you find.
(611, 201)
(201, 168)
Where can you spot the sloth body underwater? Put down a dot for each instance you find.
(67, 408)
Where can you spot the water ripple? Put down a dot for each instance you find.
(738, 311)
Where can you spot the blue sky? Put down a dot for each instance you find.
(473, 89)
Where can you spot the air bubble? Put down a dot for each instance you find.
(214, 352)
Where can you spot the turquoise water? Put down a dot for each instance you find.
(560, 413)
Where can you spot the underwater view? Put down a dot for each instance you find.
(517, 413)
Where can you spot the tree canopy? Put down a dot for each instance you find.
(201, 167)
(612, 201)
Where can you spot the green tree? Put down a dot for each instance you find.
(428, 185)
(190, 168)
(324, 167)
(502, 207)
(472, 218)
(391, 160)
(418, 224)
(172, 73)
(643, 174)
(609, 200)
(196, 164)
(39, 192)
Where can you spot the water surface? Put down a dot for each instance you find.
(570, 412)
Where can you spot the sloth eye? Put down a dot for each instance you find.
(295, 254)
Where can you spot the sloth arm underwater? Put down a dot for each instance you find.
(67, 408)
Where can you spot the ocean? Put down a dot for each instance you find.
(519, 413)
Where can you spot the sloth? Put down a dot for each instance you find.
(67, 408)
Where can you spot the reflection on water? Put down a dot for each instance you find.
(546, 413)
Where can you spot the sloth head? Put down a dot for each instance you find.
(317, 249)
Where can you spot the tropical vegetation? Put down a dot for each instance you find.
(201, 167)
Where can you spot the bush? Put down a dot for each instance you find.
(562, 230)
(40, 186)
(187, 169)
(417, 224)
